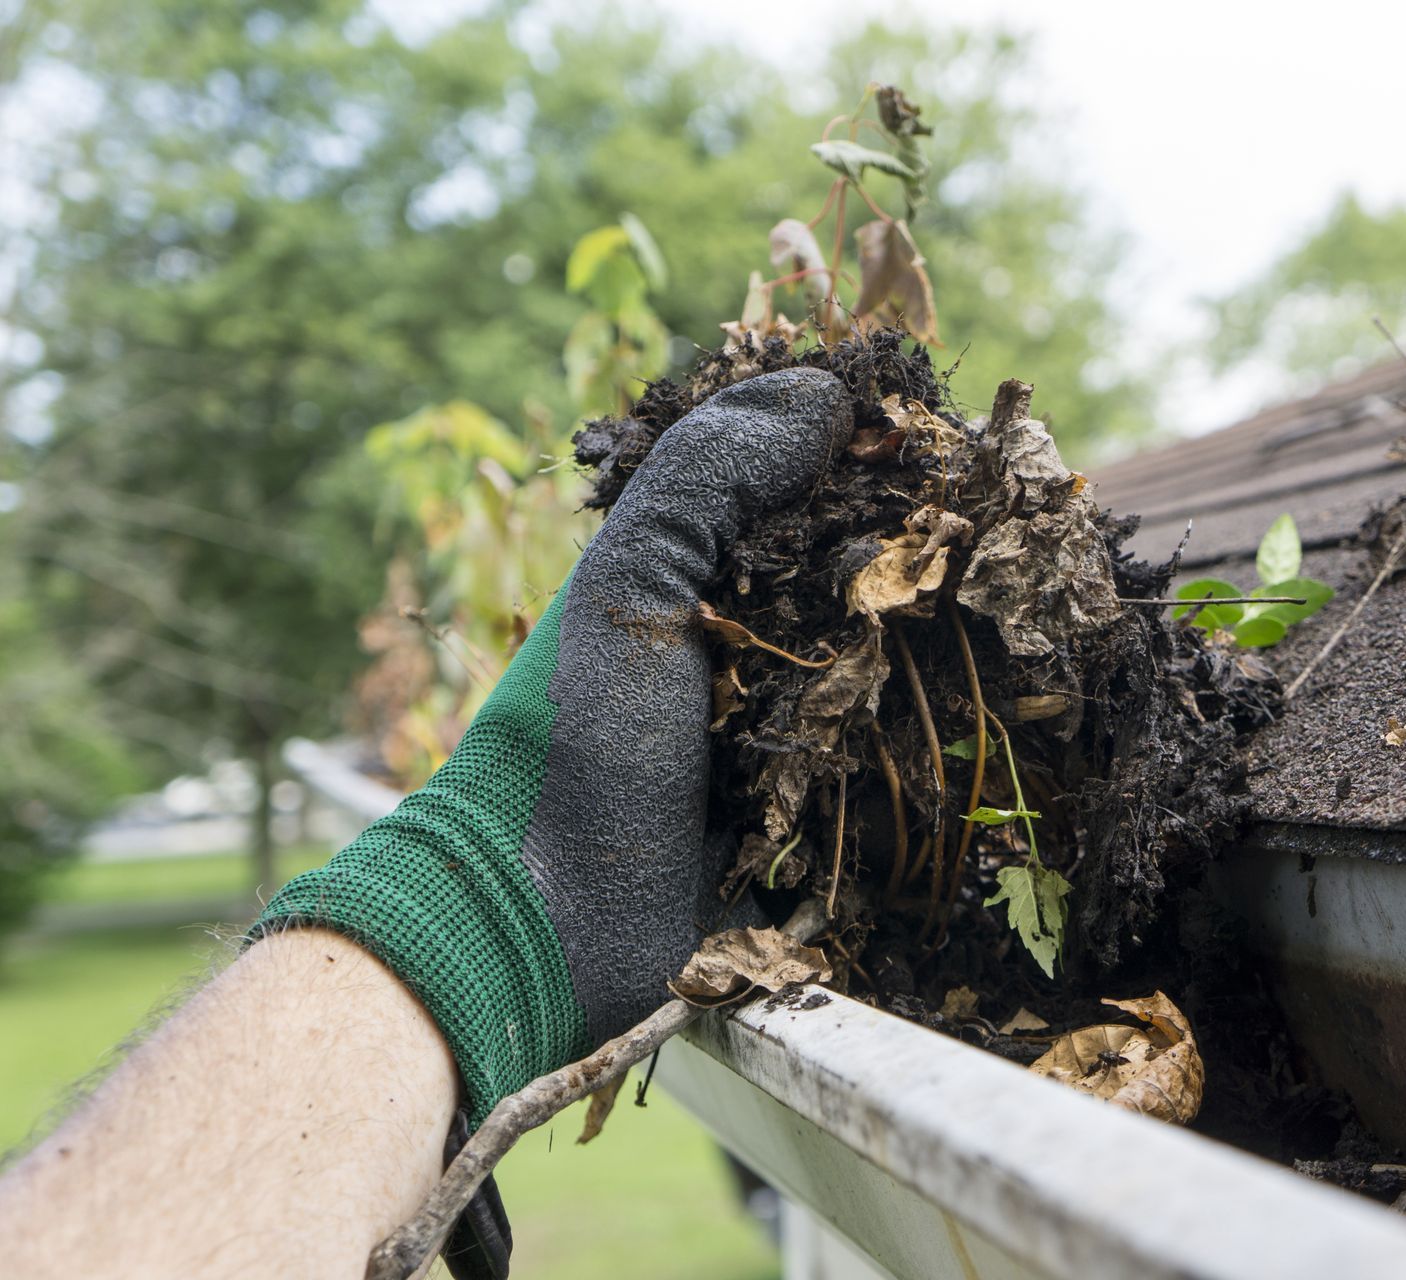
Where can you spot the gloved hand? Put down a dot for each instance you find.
(540, 889)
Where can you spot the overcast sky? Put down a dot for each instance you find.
(1214, 135)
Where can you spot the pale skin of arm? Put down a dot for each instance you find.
(286, 1118)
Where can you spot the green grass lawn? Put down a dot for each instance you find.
(650, 1197)
(171, 879)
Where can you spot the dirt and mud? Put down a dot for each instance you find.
(939, 565)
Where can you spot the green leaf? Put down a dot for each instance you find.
(646, 249)
(1314, 593)
(965, 748)
(1259, 633)
(1035, 908)
(850, 159)
(997, 817)
(1211, 617)
(590, 254)
(1280, 553)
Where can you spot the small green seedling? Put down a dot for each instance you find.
(1033, 893)
(1254, 625)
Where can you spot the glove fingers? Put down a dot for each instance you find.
(616, 842)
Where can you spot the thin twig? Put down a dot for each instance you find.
(1392, 563)
(900, 819)
(825, 208)
(1205, 600)
(979, 766)
(402, 1253)
(837, 257)
(839, 850)
(1389, 336)
(920, 700)
(421, 619)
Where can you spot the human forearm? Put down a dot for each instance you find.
(291, 1113)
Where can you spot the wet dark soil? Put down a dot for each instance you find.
(1125, 726)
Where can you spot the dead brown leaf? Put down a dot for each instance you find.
(1042, 573)
(960, 1002)
(598, 1109)
(1156, 1071)
(794, 248)
(909, 567)
(734, 963)
(1395, 735)
(729, 695)
(892, 282)
(1023, 1020)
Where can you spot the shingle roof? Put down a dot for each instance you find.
(1329, 460)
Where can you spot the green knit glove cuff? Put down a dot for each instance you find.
(437, 891)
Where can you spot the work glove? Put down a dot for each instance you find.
(540, 889)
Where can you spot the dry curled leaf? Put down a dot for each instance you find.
(1155, 1070)
(1395, 735)
(1042, 573)
(794, 248)
(598, 1109)
(892, 282)
(734, 963)
(908, 569)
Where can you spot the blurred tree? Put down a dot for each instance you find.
(60, 761)
(1310, 315)
(266, 225)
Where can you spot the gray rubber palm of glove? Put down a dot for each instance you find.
(616, 843)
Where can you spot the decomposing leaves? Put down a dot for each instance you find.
(848, 691)
(1156, 1070)
(598, 1109)
(892, 282)
(731, 965)
(1034, 895)
(907, 571)
(1042, 573)
(1395, 735)
(735, 633)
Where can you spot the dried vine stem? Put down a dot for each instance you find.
(402, 1253)
(920, 700)
(1392, 563)
(900, 819)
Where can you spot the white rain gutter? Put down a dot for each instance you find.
(936, 1160)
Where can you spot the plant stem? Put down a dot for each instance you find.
(900, 821)
(829, 200)
(979, 768)
(879, 213)
(920, 701)
(839, 850)
(837, 256)
(1205, 600)
(780, 857)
